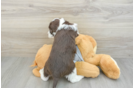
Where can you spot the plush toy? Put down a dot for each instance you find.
(84, 68)
(107, 64)
(88, 68)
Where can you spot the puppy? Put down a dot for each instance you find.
(60, 62)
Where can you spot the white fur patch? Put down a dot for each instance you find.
(73, 77)
(50, 35)
(65, 26)
(77, 28)
(42, 75)
(61, 22)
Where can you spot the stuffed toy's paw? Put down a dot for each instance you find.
(86, 69)
(109, 67)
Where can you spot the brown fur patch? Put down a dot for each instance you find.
(53, 26)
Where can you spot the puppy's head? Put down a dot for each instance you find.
(58, 23)
(54, 25)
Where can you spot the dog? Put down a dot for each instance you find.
(60, 62)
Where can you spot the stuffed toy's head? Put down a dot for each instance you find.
(86, 44)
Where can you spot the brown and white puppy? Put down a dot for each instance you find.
(60, 62)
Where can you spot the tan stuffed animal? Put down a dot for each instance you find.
(84, 68)
(87, 46)
(41, 58)
(106, 62)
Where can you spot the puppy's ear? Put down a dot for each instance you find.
(78, 40)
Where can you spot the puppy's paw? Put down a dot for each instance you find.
(76, 78)
(42, 75)
(73, 77)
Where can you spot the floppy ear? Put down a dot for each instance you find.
(77, 40)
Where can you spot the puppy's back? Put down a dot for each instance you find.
(62, 54)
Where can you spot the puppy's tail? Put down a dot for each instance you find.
(55, 82)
